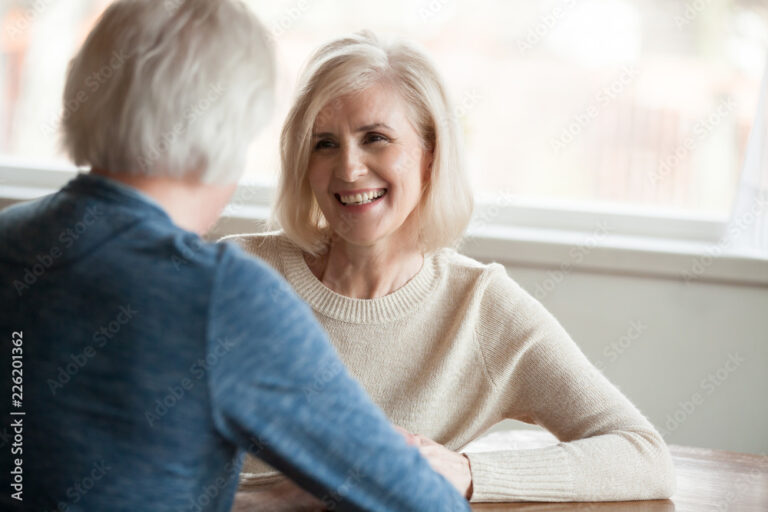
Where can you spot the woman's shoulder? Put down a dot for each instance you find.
(496, 293)
(461, 266)
(507, 315)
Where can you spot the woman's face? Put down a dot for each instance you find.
(368, 166)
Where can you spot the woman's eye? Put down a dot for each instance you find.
(376, 137)
(324, 144)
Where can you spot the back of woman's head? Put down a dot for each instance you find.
(174, 88)
(351, 64)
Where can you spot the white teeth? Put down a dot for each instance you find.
(365, 197)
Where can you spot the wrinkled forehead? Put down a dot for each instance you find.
(358, 106)
(379, 103)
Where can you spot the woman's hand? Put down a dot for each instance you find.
(453, 466)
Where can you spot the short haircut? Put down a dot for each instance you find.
(173, 88)
(353, 64)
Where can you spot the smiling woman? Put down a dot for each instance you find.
(358, 136)
(372, 195)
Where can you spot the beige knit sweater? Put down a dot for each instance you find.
(462, 346)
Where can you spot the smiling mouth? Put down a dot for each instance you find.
(359, 199)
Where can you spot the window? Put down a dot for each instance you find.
(639, 104)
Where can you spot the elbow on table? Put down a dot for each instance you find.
(668, 478)
(653, 474)
(664, 475)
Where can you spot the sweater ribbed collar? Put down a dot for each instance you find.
(403, 301)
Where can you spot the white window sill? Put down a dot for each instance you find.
(562, 251)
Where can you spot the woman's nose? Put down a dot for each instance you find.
(350, 166)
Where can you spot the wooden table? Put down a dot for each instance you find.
(707, 481)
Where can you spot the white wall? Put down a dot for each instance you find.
(663, 341)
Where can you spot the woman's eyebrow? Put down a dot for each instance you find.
(372, 127)
(364, 128)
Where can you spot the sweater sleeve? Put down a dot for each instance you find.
(608, 451)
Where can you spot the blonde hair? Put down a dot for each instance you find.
(173, 88)
(352, 64)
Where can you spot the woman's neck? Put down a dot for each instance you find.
(366, 272)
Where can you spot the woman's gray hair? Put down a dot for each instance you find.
(352, 64)
(174, 88)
